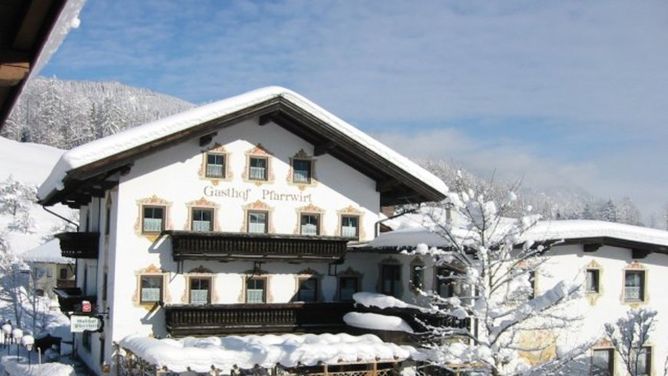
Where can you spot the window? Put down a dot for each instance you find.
(308, 290)
(215, 165)
(644, 362)
(105, 285)
(257, 168)
(62, 273)
(202, 219)
(107, 221)
(200, 290)
(257, 222)
(301, 171)
(390, 279)
(592, 282)
(154, 219)
(255, 290)
(448, 284)
(634, 285)
(417, 276)
(602, 362)
(151, 289)
(350, 226)
(310, 224)
(347, 287)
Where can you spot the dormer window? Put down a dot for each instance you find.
(301, 171)
(257, 169)
(215, 165)
(202, 219)
(310, 224)
(154, 219)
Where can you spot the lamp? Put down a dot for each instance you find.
(17, 334)
(7, 334)
(28, 341)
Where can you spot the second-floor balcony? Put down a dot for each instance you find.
(79, 244)
(193, 245)
(184, 320)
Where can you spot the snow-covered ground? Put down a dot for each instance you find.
(29, 164)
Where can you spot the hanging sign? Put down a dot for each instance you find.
(79, 324)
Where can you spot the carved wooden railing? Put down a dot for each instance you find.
(189, 245)
(254, 318)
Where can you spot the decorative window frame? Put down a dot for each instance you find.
(154, 201)
(353, 212)
(217, 149)
(258, 206)
(348, 273)
(636, 267)
(256, 274)
(200, 272)
(202, 203)
(258, 151)
(592, 296)
(150, 270)
(308, 274)
(310, 209)
(302, 156)
(393, 262)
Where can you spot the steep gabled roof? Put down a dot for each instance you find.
(84, 171)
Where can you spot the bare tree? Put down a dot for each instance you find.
(630, 336)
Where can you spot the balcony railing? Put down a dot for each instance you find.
(187, 245)
(256, 318)
(79, 244)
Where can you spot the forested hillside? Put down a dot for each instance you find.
(65, 114)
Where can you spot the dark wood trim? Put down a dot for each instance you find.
(324, 148)
(222, 246)
(206, 139)
(640, 253)
(79, 244)
(591, 247)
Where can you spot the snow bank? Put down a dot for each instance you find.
(375, 321)
(48, 252)
(288, 350)
(372, 299)
(146, 133)
(46, 369)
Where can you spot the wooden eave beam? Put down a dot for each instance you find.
(591, 247)
(14, 67)
(267, 118)
(206, 139)
(321, 149)
(640, 253)
(33, 21)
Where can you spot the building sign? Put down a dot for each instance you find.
(249, 194)
(79, 324)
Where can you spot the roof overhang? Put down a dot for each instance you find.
(395, 184)
(25, 28)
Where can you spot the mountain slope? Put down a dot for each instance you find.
(29, 164)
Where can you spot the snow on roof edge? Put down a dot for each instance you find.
(133, 137)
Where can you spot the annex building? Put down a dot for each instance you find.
(235, 218)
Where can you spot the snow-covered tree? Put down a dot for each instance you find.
(630, 336)
(13, 283)
(627, 212)
(16, 199)
(493, 269)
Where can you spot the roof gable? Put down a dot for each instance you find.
(85, 170)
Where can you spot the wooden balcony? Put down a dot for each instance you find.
(188, 245)
(70, 299)
(83, 245)
(218, 319)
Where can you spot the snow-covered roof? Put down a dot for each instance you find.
(48, 252)
(159, 130)
(568, 230)
(267, 351)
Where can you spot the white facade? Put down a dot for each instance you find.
(174, 179)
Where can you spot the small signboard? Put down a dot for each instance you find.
(86, 306)
(79, 324)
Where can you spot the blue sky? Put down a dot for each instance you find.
(558, 93)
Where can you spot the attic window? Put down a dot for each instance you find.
(301, 171)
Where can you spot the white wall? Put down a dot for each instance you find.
(569, 262)
(173, 175)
